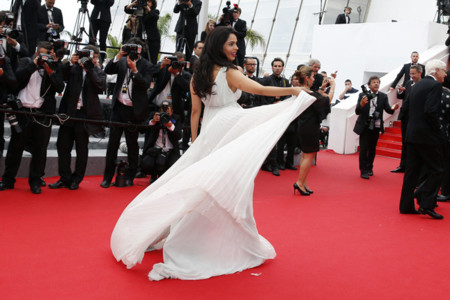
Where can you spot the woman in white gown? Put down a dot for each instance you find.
(201, 211)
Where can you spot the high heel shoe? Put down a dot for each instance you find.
(308, 190)
(303, 193)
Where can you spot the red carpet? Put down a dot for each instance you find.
(346, 241)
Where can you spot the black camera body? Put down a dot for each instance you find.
(371, 120)
(85, 57)
(13, 103)
(368, 93)
(227, 16)
(141, 4)
(177, 65)
(132, 50)
(45, 58)
(12, 33)
(121, 178)
(164, 117)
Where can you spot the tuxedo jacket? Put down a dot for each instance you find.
(102, 8)
(94, 83)
(241, 31)
(43, 20)
(341, 19)
(363, 112)
(153, 134)
(188, 17)
(273, 80)
(8, 80)
(403, 115)
(14, 55)
(29, 19)
(424, 103)
(405, 71)
(179, 88)
(51, 84)
(141, 82)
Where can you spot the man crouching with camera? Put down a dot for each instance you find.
(39, 79)
(161, 149)
(369, 124)
(85, 80)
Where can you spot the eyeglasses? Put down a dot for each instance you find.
(250, 64)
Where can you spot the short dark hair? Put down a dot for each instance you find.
(198, 42)
(418, 68)
(45, 45)
(179, 55)
(348, 80)
(277, 59)
(373, 78)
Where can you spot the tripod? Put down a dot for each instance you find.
(181, 38)
(79, 28)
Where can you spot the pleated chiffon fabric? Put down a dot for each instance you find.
(201, 210)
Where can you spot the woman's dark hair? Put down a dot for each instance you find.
(304, 72)
(153, 5)
(212, 55)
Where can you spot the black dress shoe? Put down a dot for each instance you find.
(398, 170)
(442, 198)
(276, 172)
(35, 189)
(57, 185)
(139, 174)
(431, 213)
(4, 186)
(370, 173)
(42, 182)
(74, 186)
(105, 184)
(129, 182)
(153, 179)
(291, 167)
(266, 168)
(282, 167)
(365, 176)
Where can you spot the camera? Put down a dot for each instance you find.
(227, 16)
(8, 18)
(177, 65)
(60, 48)
(12, 33)
(132, 50)
(372, 119)
(164, 117)
(368, 93)
(121, 178)
(45, 58)
(85, 58)
(13, 103)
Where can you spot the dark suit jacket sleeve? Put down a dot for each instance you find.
(183, 81)
(42, 19)
(8, 79)
(195, 9)
(399, 76)
(358, 109)
(111, 67)
(24, 71)
(432, 105)
(340, 19)
(241, 29)
(98, 79)
(57, 78)
(142, 78)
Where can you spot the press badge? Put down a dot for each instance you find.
(124, 89)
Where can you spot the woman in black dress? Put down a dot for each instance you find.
(309, 127)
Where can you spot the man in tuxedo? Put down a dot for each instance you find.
(100, 21)
(161, 149)
(85, 80)
(369, 124)
(25, 14)
(345, 17)
(129, 105)
(14, 48)
(250, 100)
(49, 18)
(8, 83)
(198, 49)
(318, 78)
(240, 26)
(187, 25)
(405, 70)
(38, 82)
(424, 143)
(403, 93)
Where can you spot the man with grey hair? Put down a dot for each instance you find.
(424, 143)
(318, 78)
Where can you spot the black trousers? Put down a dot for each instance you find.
(189, 45)
(288, 139)
(153, 48)
(2, 133)
(124, 114)
(445, 185)
(404, 125)
(367, 148)
(67, 136)
(428, 159)
(158, 162)
(39, 136)
(103, 27)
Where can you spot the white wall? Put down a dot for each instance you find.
(403, 10)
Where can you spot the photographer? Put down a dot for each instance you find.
(27, 20)
(187, 25)
(39, 79)
(161, 149)
(85, 80)
(147, 29)
(129, 105)
(369, 108)
(100, 21)
(11, 40)
(50, 19)
(7, 82)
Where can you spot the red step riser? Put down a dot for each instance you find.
(391, 137)
(389, 153)
(389, 144)
(397, 124)
(393, 130)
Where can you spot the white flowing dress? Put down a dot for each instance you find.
(201, 210)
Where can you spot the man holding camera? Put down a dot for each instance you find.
(369, 108)
(50, 18)
(187, 25)
(39, 79)
(11, 40)
(129, 105)
(161, 149)
(85, 80)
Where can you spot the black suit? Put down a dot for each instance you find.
(341, 19)
(318, 80)
(35, 130)
(8, 83)
(88, 87)
(187, 22)
(43, 20)
(368, 138)
(127, 114)
(29, 19)
(100, 21)
(405, 71)
(403, 116)
(192, 62)
(424, 141)
(13, 54)
(241, 31)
